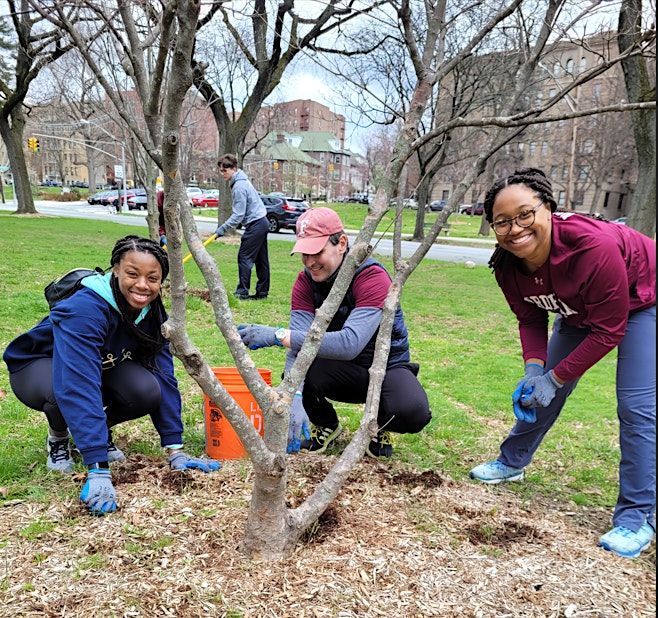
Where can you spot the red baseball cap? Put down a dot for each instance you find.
(314, 228)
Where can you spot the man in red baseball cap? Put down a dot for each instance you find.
(340, 371)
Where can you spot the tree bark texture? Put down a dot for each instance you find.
(12, 130)
(642, 211)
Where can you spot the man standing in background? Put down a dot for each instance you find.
(248, 210)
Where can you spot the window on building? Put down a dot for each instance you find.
(606, 199)
(569, 67)
(521, 146)
(322, 156)
(588, 146)
(620, 203)
(553, 172)
(337, 159)
(539, 99)
(544, 148)
(552, 92)
(596, 91)
(557, 68)
(583, 172)
(532, 148)
(445, 194)
(582, 66)
(560, 198)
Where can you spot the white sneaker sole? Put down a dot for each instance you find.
(509, 479)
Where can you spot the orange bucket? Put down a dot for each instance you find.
(221, 440)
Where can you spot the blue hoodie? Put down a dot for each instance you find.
(247, 205)
(85, 335)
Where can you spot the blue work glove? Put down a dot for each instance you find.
(256, 336)
(98, 493)
(163, 241)
(529, 415)
(539, 391)
(299, 425)
(219, 232)
(180, 460)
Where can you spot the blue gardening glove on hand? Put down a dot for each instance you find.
(529, 415)
(539, 391)
(299, 425)
(98, 493)
(219, 232)
(256, 336)
(180, 460)
(163, 241)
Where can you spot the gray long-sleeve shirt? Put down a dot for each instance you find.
(247, 205)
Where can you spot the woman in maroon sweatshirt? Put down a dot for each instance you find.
(599, 278)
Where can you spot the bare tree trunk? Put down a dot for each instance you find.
(422, 198)
(152, 214)
(642, 212)
(269, 532)
(11, 131)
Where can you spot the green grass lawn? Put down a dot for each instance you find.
(353, 216)
(461, 331)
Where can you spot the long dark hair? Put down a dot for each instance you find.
(531, 177)
(148, 345)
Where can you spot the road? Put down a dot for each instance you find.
(82, 210)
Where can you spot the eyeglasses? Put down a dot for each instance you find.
(524, 219)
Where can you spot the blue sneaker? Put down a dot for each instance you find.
(625, 542)
(494, 472)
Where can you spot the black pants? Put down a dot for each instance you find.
(403, 406)
(253, 251)
(129, 391)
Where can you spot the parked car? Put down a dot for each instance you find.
(207, 199)
(283, 212)
(115, 196)
(96, 198)
(468, 209)
(620, 220)
(406, 203)
(139, 200)
(437, 205)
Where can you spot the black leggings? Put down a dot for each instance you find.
(129, 391)
(403, 406)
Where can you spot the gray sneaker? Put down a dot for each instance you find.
(114, 453)
(59, 455)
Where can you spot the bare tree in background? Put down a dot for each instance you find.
(37, 45)
(243, 64)
(641, 87)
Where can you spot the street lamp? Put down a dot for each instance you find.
(123, 156)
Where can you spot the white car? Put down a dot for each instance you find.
(193, 192)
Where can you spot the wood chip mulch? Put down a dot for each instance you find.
(396, 542)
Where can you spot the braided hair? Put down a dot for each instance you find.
(533, 178)
(148, 345)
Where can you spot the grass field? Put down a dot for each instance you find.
(353, 215)
(461, 332)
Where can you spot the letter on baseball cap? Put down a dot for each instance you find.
(314, 228)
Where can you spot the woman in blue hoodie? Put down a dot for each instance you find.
(99, 359)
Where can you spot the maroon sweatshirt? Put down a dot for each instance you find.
(596, 275)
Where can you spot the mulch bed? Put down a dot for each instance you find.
(396, 542)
